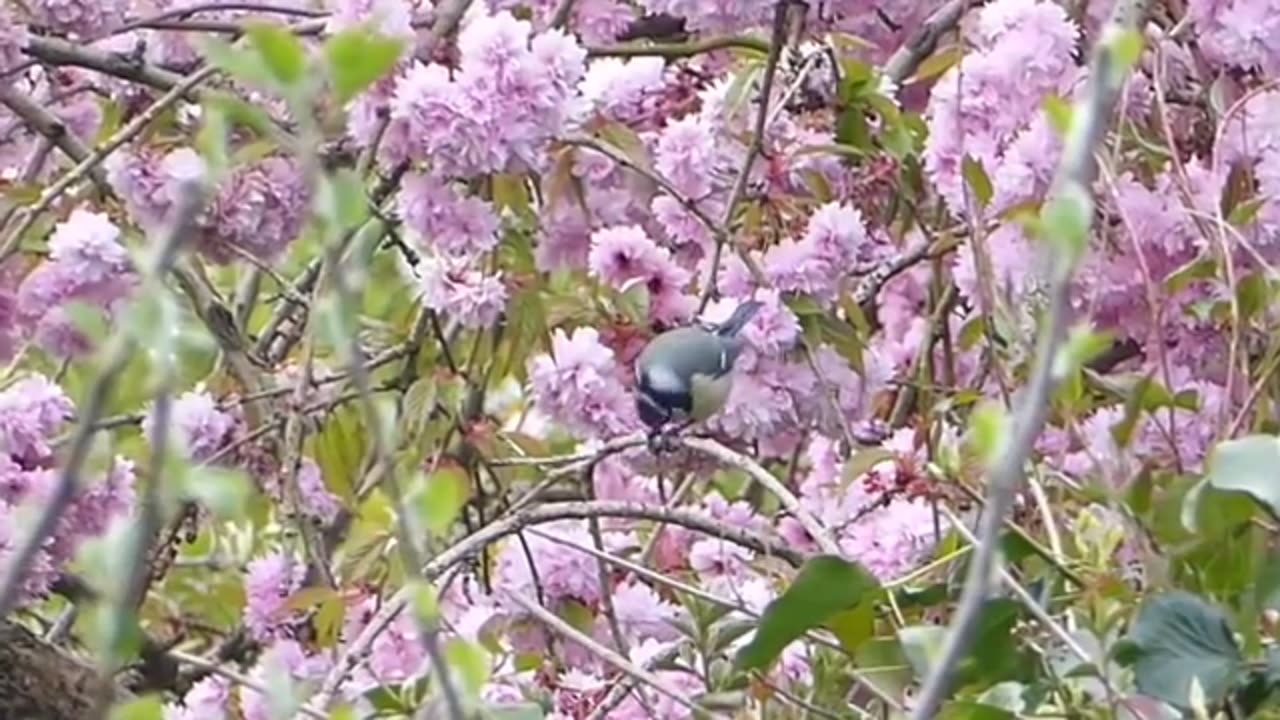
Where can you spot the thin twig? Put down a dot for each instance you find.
(609, 656)
(1074, 178)
(30, 214)
(756, 147)
(45, 123)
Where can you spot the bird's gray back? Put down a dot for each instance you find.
(690, 350)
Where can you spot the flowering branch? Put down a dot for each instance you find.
(189, 199)
(1074, 177)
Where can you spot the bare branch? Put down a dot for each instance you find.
(1074, 177)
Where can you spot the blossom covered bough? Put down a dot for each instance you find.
(317, 320)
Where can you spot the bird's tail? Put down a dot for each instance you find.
(739, 318)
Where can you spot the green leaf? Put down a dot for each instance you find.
(341, 200)
(973, 711)
(468, 662)
(1250, 465)
(281, 51)
(1065, 220)
(357, 58)
(922, 645)
(223, 491)
(1126, 47)
(1059, 112)
(988, 431)
(977, 180)
(938, 63)
(147, 707)
(825, 586)
(1178, 638)
(440, 498)
(1083, 345)
(250, 67)
(426, 602)
(1246, 211)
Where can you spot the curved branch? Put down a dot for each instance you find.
(542, 514)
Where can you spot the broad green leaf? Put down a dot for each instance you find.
(825, 586)
(1179, 638)
(249, 67)
(922, 644)
(1059, 112)
(469, 663)
(281, 51)
(975, 176)
(440, 497)
(223, 491)
(1250, 465)
(357, 58)
(995, 655)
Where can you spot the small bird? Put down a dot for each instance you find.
(684, 375)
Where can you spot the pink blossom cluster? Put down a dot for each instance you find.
(33, 412)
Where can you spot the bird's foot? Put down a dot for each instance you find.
(664, 439)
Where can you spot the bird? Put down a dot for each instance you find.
(684, 375)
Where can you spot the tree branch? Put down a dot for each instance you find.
(1074, 178)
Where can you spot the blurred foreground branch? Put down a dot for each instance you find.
(1071, 191)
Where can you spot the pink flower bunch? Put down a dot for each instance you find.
(269, 582)
(623, 255)
(580, 385)
(82, 18)
(513, 91)
(981, 107)
(87, 263)
(1239, 33)
(32, 411)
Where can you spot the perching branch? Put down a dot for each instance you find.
(56, 51)
(190, 199)
(772, 484)
(1072, 184)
